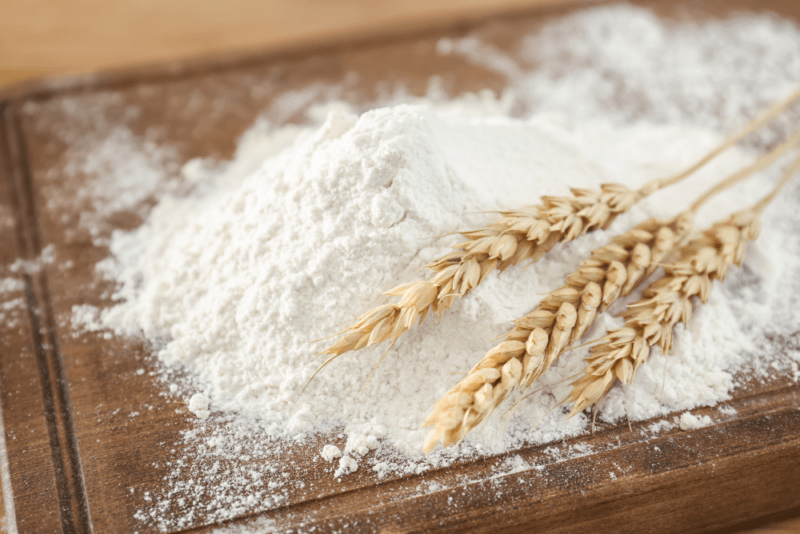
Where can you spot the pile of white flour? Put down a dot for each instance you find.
(236, 282)
(302, 231)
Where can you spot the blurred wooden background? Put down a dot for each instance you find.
(52, 37)
(47, 37)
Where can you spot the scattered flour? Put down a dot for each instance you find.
(347, 465)
(381, 468)
(198, 405)
(46, 257)
(660, 426)
(11, 303)
(622, 63)
(331, 452)
(301, 232)
(86, 317)
(11, 285)
(693, 422)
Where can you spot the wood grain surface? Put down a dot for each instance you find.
(87, 427)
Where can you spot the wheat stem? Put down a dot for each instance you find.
(761, 163)
(785, 179)
(754, 125)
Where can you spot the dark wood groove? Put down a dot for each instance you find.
(55, 389)
(5, 173)
(25, 245)
(45, 377)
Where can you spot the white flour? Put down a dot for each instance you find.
(238, 282)
(300, 234)
(693, 422)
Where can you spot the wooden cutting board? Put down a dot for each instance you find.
(87, 428)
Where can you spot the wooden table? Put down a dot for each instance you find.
(48, 37)
(73, 450)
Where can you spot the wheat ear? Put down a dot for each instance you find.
(517, 236)
(565, 315)
(650, 321)
(561, 318)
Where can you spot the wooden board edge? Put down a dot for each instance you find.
(588, 504)
(774, 523)
(10, 519)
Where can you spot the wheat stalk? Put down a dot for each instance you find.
(565, 315)
(517, 236)
(650, 321)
